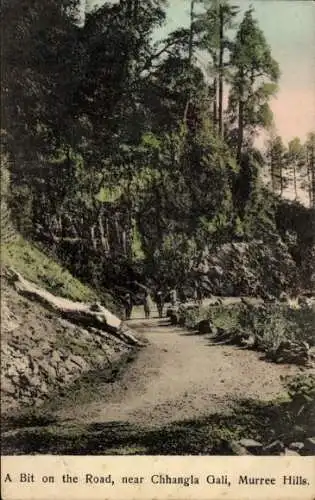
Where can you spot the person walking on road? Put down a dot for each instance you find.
(173, 297)
(128, 303)
(198, 294)
(160, 303)
(147, 304)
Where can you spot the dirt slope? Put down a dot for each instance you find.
(41, 353)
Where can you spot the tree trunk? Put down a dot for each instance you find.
(215, 104)
(308, 178)
(221, 54)
(295, 182)
(104, 238)
(273, 176)
(94, 242)
(240, 132)
(87, 315)
(158, 214)
(312, 181)
(117, 231)
(190, 55)
(240, 136)
(281, 181)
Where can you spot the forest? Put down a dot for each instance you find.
(128, 159)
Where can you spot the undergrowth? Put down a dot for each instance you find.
(270, 324)
(36, 266)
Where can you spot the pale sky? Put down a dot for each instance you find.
(289, 27)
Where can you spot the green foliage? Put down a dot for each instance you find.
(37, 267)
(298, 420)
(117, 154)
(137, 251)
(303, 321)
(276, 158)
(174, 258)
(268, 324)
(109, 195)
(7, 231)
(275, 324)
(253, 82)
(301, 389)
(189, 318)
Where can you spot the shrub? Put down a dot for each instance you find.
(301, 390)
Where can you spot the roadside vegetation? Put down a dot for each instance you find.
(281, 332)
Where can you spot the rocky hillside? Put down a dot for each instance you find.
(42, 349)
(248, 269)
(42, 352)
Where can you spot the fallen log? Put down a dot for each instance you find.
(87, 315)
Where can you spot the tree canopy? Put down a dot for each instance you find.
(122, 156)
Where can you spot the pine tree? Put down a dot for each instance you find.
(295, 161)
(213, 25)
(310, 167)
(253, 82)
(276, 155)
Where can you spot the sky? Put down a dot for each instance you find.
(289, 27)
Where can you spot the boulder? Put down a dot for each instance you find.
(298, 446)
(236, 449)
(44, 388)
(205, 326)
(292, 352)
(309, 446)
(48, 370)
(273, 448)
(181, 320)
(251, 445)
(78, 360)
(170, 311)
(249, 342)
(7, 386)
(55, 358)
(174, 318)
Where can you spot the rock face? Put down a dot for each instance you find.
(248, 269)
(42, 352)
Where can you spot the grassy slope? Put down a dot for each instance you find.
(41, 269)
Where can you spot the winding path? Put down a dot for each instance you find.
(179, 376)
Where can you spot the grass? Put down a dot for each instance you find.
(36, 266)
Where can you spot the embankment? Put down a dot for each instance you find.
(43, 351)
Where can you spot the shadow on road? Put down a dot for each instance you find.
(204, 436)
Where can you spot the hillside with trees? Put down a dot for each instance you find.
(124, 158)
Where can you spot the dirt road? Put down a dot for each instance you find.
(180, 376)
